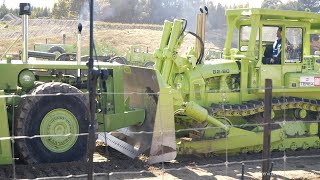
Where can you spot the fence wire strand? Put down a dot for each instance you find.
(228, 165)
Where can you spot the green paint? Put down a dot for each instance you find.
(26, 79)
(5, 145)
(118, 90)
(164, 41)
(138, 57)
(111, 122)
(241, 141)
(301, 113)
(45, 47)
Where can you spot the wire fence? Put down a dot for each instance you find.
(41, 131)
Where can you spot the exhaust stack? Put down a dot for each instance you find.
(79, 47)
(201, 27)
(25, 11)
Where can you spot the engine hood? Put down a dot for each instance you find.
(217, 67)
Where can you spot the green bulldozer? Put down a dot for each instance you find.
(185, 105)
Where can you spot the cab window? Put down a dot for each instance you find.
(269, 39)
(245, 32)
(293, 45)
(315, 44)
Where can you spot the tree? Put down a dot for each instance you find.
(165, 9)
(123, 10)
(143, 11)
(291, 5)
(77, 8)
(271, 4)
(14, 11)
(216, 18)
(103, 10)
(61, 9)
(46, 12)
(313, 5)
(297, 5)
(3, 10)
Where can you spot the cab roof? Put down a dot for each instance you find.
(272, 14)
(266, 14)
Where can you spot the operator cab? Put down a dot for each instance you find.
(272, 56)
(292, 48)
(257, 34)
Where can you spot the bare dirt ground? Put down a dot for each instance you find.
(117, 166)
(114, 165)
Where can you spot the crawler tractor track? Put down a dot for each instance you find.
(253, 107)
(293, 129)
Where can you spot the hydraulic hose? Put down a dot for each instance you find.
(202, 47)
(184, 27)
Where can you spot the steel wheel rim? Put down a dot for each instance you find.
(60, 129)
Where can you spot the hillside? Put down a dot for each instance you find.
(114, 36)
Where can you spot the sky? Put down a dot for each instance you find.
(49, 3)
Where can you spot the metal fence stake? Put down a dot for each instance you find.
(242, 171)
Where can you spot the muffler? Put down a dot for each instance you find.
(79, 48)
(25, 11)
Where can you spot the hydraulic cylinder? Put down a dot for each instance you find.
(200, 114)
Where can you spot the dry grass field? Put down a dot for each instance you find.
(115, 36)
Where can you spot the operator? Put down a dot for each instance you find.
(276, 51)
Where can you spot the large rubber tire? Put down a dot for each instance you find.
(66, 57)
(55, 49)
(149, 65)
(41, 114)
(120, 60)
